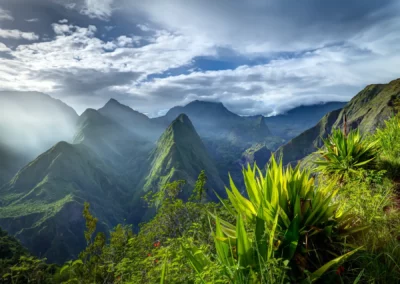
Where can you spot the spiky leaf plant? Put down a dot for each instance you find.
(345, 154)
(285, 216)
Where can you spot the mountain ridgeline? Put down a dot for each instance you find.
(366, 111)
(115, 155)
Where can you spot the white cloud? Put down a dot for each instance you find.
(63, 21)
(33, 20)
(144, 27)
(5, 15)
(4, 48)
(62, 29)
(41, 66)
(334, 73)
(101, 9)
(17, 34)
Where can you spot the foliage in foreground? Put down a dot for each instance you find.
(286, 219)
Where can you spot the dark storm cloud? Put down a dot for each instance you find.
(265, 26)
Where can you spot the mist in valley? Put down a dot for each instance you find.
(31, 123)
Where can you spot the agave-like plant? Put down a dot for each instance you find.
(285, 216)
(345, 154)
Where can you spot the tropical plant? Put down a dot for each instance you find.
(345, 154)
(285, 216)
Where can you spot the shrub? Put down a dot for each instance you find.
(345, 154)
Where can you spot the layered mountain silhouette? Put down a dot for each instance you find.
(111, 157)
(213, 120)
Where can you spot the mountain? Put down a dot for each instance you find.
(30, 123)
(42, 205)
(132, 120)
(299, 119)
(214, 121)
(113, 160)
(203, 112)
(259, 154)
(180, 154)
(225, 134)
(113, 143)
(366, 111)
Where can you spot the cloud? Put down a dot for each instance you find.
(32, 20)
(77, 63)
(63, 21)
(101, 9)
(266, 26)
(85, 81)
(4, 48)
(333, 73)
(281, 53)
(17, 34)
(5, 15)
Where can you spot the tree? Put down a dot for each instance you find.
(199, 191)
(342, 155)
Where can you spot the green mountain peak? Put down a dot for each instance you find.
(180, 154)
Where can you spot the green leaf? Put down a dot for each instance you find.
(163, 271)
(243, 244)
(221, 247)
(271, 236)
(76, 262)
(65, 267)
(317, 274)
(291, 238)
(359, 276)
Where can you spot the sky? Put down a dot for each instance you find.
(256, 57)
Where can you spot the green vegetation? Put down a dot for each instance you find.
(286, 216)
(333, 218)
(389, 137)
(290, 225)
(345, 154)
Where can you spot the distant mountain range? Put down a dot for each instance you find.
(112, 156)
(295, 121)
